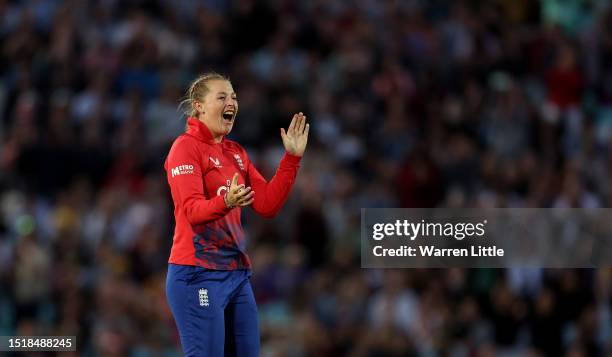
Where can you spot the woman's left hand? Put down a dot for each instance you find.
(296, 137)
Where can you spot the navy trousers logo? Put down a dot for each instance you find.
(203, 296)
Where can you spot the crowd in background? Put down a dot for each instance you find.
(414, 103)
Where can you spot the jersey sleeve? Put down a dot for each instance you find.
(270, 196)
(184, 175)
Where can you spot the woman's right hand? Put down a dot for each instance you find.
(238, 195)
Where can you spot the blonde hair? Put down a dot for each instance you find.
(197, 90)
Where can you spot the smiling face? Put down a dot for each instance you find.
(218, 108)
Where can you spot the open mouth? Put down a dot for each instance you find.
(229, 115)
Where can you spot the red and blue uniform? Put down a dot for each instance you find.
(209, 246)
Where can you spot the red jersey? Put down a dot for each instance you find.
(199, 172)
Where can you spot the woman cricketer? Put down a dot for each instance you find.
(211, 178)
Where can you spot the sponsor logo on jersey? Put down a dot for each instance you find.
(225, 188)
(182, 170)
(215, 161)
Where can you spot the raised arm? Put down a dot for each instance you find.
(270, 196)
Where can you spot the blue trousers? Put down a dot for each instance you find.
(214, 311)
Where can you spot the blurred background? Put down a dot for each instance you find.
(415, 103)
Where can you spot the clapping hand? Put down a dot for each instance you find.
(296, 137)
(238, 195)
